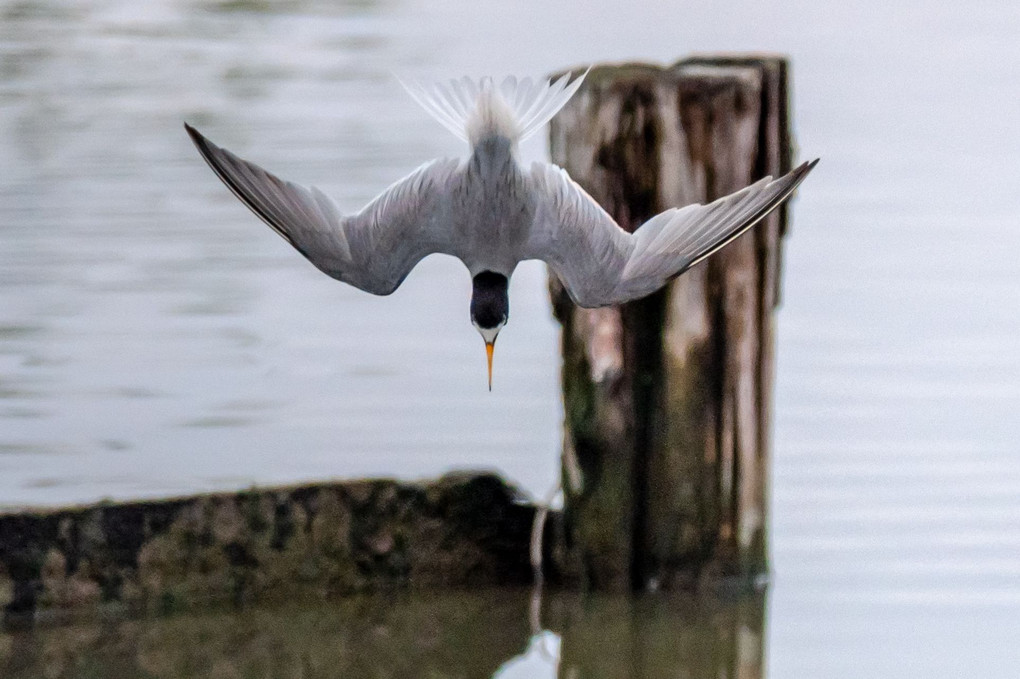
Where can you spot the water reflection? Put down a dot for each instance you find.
(656, 637)
(541, 659)
(452, 635)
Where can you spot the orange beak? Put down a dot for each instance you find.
(489, 348)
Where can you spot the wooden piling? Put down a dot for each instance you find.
(668, 399)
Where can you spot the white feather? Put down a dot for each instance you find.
(516, 109)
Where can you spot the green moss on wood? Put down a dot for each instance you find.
(663, 452)
(308, 541)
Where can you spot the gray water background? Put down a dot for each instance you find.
(156, 339)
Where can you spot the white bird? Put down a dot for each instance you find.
(492, 213)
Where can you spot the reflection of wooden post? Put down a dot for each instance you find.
(659, 638)
(668, 399)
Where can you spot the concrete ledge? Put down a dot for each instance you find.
(266, 544)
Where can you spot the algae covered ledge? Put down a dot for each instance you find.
(298, 542)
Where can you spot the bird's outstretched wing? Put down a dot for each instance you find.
(601, 264)
(374, 249)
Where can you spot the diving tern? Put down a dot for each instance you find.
(491, 212)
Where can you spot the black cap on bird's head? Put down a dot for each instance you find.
(490, 308)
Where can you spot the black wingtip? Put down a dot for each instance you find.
(799, 173)
(196, 136)
(208, 150)
(805, 167)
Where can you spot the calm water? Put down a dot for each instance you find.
(155, 338)
(474, 635)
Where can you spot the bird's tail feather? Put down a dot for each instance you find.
(515, 109)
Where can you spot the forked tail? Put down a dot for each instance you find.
(514, 109)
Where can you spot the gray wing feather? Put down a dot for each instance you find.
(601, 264)
(576, 237)
(374, 249)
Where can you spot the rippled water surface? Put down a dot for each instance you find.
(155, 338)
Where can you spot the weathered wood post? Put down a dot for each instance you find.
(668, 399)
